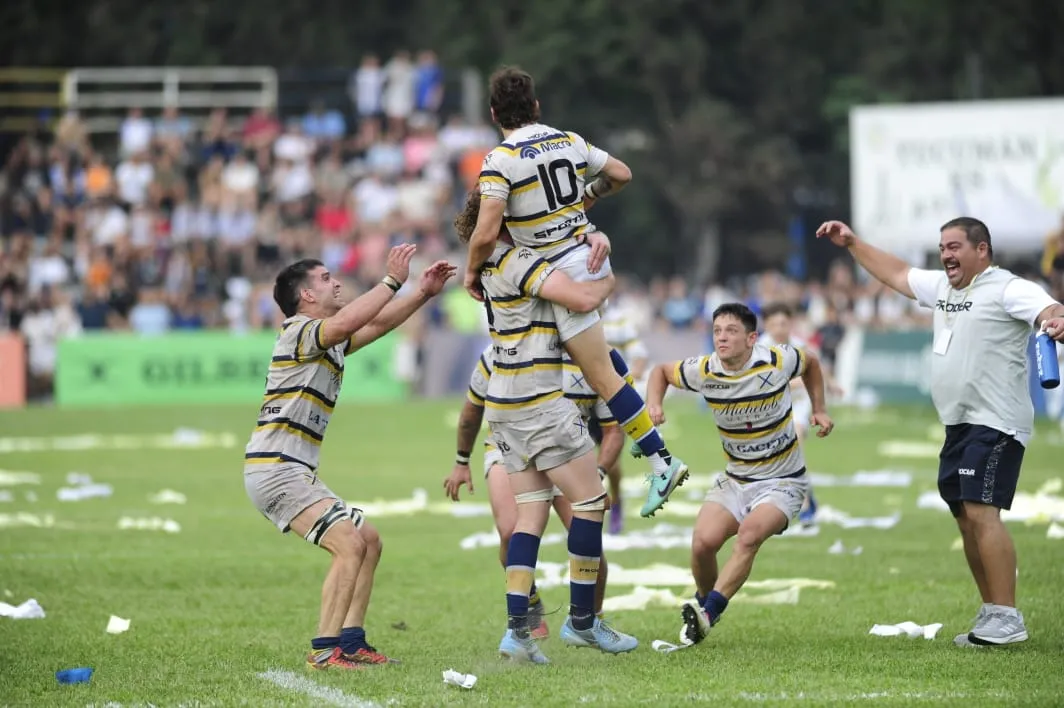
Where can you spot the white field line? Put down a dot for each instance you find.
(326, 695)
(188, 440)
(804, 697)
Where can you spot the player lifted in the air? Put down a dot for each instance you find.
(503, 507)
(747, 386)
(281, 459)
(542, 437)
(537, 185)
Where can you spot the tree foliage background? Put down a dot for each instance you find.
(733, 113)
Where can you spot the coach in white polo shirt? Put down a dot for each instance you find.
(979, 384)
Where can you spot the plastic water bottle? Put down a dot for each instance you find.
(1046, 356)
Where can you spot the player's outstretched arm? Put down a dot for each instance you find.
(398, 311)
(884, 267)
(359, 312)
(813, 378)
(469, 422)
(588, 296)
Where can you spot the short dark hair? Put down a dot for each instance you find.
(290, 281)
(512, 97)
(740, 312)
(976, 231)
(776, 308)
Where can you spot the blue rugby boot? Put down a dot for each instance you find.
(662, 486)
(521, 650)
(601, 636)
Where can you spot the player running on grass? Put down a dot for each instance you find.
(542, 438)
(747, 387)
(281, 460)
(537, 185)
(779, 329)
(503, 506)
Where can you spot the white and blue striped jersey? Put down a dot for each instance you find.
(752, 408)
(540, 173)
(526, 349)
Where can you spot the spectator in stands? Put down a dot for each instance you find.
(49, 269)
(322, 125)
(94, 310)
(186, 314)
(261, 129)
(399, 87)
(171, 127)
(679, 310)
(428, 82)
(71, 135)
(180, 224)
(133, 178)
(49, 318)
(151, 314)
(366, 89)
(135, 135)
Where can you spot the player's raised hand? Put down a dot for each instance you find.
(839, 233)
(824, 422)
(399, 261)
(600, 250)
(435, 277)
(459, 475)
(656, 413)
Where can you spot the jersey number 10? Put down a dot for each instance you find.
(551, 177)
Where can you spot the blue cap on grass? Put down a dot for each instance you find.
(79, 675)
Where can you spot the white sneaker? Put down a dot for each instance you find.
(961, 640)
(1002, 625)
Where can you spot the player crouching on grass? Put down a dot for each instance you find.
(281, 459)
(503, 506)
(748, 388)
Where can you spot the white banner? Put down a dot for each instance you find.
(915, 166)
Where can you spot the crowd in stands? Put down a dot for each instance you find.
(183, 222)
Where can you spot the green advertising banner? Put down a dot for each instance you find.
(199, 368)
(896, 365)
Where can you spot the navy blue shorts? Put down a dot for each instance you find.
(978, 464)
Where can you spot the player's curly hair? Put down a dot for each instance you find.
(466, 220)
(512, 97)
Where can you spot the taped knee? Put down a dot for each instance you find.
(598, 503)
(335, 514)
(540, 495)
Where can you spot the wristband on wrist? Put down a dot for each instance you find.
(392, 283)
(589, 190)
(462, 458)
(602, 473)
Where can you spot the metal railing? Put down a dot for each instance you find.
(103, 95)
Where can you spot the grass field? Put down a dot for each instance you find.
(227, 600)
